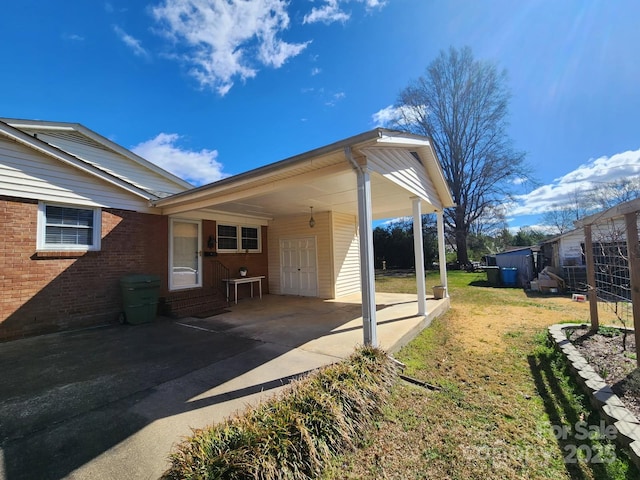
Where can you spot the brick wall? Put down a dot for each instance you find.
(211, 297)
(44, 292)
(50, 291)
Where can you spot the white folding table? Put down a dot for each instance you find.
(236, 281)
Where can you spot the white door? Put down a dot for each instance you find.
(185, 262)
(298, 270)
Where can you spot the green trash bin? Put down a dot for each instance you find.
(493, 275)
(140, 298)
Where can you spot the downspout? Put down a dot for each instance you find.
(367, 273)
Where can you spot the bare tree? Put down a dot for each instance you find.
(492, 221)
(461, 104)
(617, 191)
(560, 216)
(559, 219)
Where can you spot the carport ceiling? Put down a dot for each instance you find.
(335, 192)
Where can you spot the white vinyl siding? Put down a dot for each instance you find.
(571, 249)
(298, 227)
(110, 161)
(67, 227)
(24, 173)
(346, 254)
(571, 243)
(402, 168)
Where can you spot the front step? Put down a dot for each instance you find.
(193, 303)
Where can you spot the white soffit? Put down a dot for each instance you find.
(398, 165)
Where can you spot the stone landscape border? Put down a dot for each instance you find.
(600, 394)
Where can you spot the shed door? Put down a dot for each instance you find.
(298, 270)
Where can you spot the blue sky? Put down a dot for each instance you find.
(210, 88)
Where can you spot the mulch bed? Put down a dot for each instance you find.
(617, 367)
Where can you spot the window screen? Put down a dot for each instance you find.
(227, 237)
(249, 238)
(68, 226)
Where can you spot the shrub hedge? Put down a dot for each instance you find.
(294, 434)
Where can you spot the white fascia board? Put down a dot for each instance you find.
(402, 141)
(223, 217)
(44, 148)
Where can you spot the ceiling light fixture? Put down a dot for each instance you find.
(312, 222)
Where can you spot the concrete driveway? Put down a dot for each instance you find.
(111, 402)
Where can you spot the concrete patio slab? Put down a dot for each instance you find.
(110, 403)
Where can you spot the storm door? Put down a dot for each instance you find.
(185, 261)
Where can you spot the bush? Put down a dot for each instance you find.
(295, 434)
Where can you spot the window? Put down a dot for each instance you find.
(63, 227)
(249, 238)
(235, 238)
(227, 237)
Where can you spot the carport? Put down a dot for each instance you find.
(343, 187)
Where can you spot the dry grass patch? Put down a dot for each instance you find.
(501, 393)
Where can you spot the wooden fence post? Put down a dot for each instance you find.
(591, 279)
(633, 251)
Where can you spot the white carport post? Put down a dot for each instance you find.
(419, 256)
(367, 272)
(442, 254)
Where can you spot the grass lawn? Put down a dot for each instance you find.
(503, 391)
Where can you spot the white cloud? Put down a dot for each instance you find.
(375, 3)
(519, 180)
(197, 167)
(563, 190)
(226, 39)
(386, 116)
(335, 98)
(133, 43)
(315, 71)
(391, 115)
(332, 11)
(73, 37)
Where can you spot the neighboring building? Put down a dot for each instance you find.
(566, 250)
(78, 212)
(565, 255)
(522, 258)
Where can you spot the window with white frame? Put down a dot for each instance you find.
(239, 238)
(63, 227)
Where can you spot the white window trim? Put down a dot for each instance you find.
(238, 228)
(41, 244)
